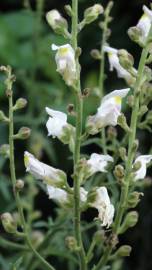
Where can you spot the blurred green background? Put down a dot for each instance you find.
(25, 44)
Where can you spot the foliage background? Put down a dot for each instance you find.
(25, 41)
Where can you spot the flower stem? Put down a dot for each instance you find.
(79, 112)
(125, 187)
(13, 174)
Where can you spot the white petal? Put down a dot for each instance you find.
(116, 93)
(83, 195)
(55, 47)
(98, 162)
(57, 194)
(141, 173)
(56, 114)
(109, 49)
(148, 12)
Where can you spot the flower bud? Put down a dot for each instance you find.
(129, 222)
(37, 238)
(136, 166)
(20, 104)
(96, 54)
(5, 150)
(111, 133)
(57, 22)
(19, 185)
(92, 13)
(119, 172)
(123, 251)
(23, 133)
(135, 145)
(130, 101)
(3, 117)
(134, 33)
(122, 153)
(123, 123)
(68, 10)
(71, 243)
(143, 110)
(126, 59)
(134, 199)
(8, 223)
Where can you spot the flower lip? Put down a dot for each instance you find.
(116, 93)
(56, 114)
(147, 12)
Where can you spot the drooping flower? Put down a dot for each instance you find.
(66, 64)
(56, 122)
(144, 23)
(58, 126)
(98, 163)
(103, 205)
(108, 112)
(115, 64)
(144, 160)
(39, 170)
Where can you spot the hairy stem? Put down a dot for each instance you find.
(79, 111)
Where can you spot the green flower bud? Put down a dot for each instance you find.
(3, 117)
(37, 238)
(5, 150)
(129, 221)
(123, 123)
(68, 136)
(20, 104)
(19, 185)
(136, 166)
(123, 251)
(134, 199)
(23, 133)
(143, 110)
(92, 13)
(119, 172)
(122, 153)
(135, 33)
(96, 54)
(126, 59)
(111, 133)
(8, 223)
(135, 145)
(130, 101)
(68, 10)
(71, 243)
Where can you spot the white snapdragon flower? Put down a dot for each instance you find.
(98, 163)
(108, 112)
(56, 122)
(144, 160)
(39, 170)
(115, 64)
(144, 23)
(61, 196)
(103, 205)
(66, 64)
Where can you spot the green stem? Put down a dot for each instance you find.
(13, 177)
(131, 154)
(79, 111)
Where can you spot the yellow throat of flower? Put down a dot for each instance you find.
(118, 100)
(63, 51)
(26, 161)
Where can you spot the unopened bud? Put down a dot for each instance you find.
(129, 221)
(23, 134)
(137, 166)
(143, 110)
(37, 238)
(68, 10)
(119, 171)
(135, 145)
(5, 150)
(96, 54)
(85, 92)
(8, 223)
(122, 122)
(92, 13)
(130, 101)
(71, 243)
(134, 199)
(19, 185)
(123, 251)
(3, 117)
(111, 133)
(57, 22)
(147, 73)
(135, 33)
(20, 104)
(126, 59)
(122, 153)
(70, 109)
